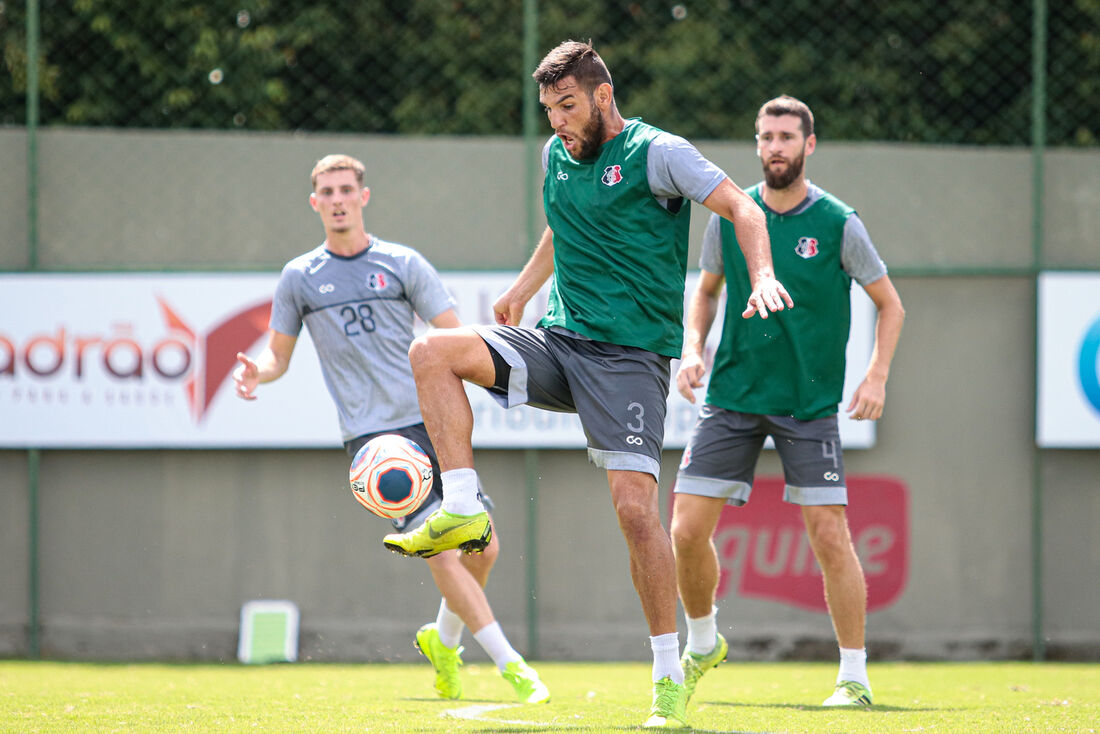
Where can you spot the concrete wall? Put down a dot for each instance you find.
(149, 554)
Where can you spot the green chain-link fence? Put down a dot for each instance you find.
(950, 71)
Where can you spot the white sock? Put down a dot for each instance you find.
(702, 632)
(460, 490)
(492, 640)
(853, 666)
(666, 657)
(449, 625)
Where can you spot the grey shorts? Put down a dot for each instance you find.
(720, 458)
(419, 434)
(619, 393)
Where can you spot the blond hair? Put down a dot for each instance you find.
(337, 162)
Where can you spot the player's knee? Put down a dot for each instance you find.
(489, 556)
(636, 517)
(687, 538)
(831, 542)
(421, 352)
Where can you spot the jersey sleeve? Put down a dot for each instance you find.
(426, 292)
(286, 316)
(710, 259)
(858, 256)
(676, 168)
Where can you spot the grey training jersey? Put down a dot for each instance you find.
(858, 256)
(360, 312)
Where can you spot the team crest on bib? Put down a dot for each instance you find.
(376, 281)
(612, 175)
(806, 247)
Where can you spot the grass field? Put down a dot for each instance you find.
(953, 698)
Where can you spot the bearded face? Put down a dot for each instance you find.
(591, 135)
(780, 173)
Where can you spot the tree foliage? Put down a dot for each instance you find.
(956, 71)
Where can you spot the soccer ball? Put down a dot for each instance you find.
(391, 476)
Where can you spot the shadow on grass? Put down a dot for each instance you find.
(599, 728)
(827, 709)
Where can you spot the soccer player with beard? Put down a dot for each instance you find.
(616, 194)
(781, 377)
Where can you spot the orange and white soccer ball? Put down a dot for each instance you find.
(391, 476)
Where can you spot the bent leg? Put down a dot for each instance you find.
(845, 586)
(461, 580)
(479, 565)
(441, 360)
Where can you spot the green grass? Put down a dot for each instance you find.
(953, 698)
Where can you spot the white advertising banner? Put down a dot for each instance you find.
(1068, 413)
(145, 360)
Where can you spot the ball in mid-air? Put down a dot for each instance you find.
(391, 476)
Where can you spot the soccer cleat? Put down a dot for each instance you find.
(526, 682)
(669, 709)
(849, 693)
(443, 531)
(444, 659)
(695, 665)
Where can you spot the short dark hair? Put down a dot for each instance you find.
(576, 59)
(787, 105)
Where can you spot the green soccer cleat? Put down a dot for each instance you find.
(669, 709)
(444, 659)
(526, 682)
(849, 693)
(443, 531)
(695, 665)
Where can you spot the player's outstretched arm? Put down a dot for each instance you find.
(508, 309)
(702, 309)
(869, 399)
(768, 294)
(269, 365)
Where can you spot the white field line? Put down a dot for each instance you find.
(476, 712)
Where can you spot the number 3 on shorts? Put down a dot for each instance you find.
(637, 425)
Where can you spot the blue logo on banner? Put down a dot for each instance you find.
(1087, 364)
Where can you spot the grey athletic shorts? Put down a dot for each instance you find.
(720, 458)
(620, 393)
(419, 434)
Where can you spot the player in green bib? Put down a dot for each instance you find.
(782, 377)
(616, 195)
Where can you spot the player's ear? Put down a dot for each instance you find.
(365, 194)
(604, 95)
(811, 144)
(313, 201)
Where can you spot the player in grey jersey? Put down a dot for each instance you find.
(358, 295)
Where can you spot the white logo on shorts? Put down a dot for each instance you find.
(832, 476)
(327, 288)
(634, 440)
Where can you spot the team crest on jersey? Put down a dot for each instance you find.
(612, 175)
(376, 281)
(806, 247)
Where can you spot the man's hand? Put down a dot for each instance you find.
(868, 401)
(508, 311)
(690, 375)
(768, 295)
(246, 377)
